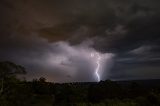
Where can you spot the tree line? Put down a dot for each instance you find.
(39, 92)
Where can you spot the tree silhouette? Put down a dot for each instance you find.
(8, 69)
(42, 80)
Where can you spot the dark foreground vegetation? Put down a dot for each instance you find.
(15, 92)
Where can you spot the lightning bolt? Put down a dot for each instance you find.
(98, 65)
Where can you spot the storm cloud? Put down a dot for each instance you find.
(54, 38)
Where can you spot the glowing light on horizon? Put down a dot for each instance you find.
(98, 59)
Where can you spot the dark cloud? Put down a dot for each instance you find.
(31, 32)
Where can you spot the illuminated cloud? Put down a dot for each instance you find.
(78, 63)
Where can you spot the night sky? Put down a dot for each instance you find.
(62, 40)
